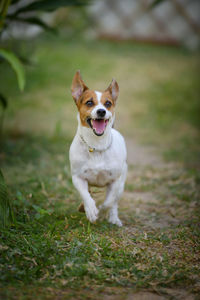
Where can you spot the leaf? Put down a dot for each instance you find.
(16, 65)
(6, 212)
(49, 5)
(14, 1)
(155, 3)
(3, 101)
(35, 21)
(4, 4)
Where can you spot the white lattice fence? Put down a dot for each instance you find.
(172, 21)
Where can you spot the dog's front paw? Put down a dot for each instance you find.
(91, 212)
(115, 220)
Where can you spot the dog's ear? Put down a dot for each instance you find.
(113, 89)
(78, 86)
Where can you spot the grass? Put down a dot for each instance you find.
(52, 250)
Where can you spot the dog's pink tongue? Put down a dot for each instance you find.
(99, 126)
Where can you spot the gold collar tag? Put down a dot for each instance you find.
(90, 149)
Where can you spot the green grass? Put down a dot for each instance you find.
(52, 248)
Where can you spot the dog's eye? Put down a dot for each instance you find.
(89, 103)
(107, 104)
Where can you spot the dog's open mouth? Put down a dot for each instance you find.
(98, 125)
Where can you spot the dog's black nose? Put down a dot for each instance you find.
(101, 112)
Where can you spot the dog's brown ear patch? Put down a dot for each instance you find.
(78, 87)
(113, 89)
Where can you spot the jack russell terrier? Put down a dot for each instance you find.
(98, 151)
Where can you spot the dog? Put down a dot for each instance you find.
(98, 152)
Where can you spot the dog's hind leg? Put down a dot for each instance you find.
(89, 204)
(113, 216)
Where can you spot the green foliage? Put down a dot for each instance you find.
(4, 4)
(16, 16)
(21, 15)
(16, 65)
(156, 3)
(49, 5)
(3, 101)
(35, 21)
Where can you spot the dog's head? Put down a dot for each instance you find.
(96, 109)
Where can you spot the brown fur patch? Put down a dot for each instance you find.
(106, 96)
(83, 109)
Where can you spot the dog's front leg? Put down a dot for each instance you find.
(114, 193)
(89, 204)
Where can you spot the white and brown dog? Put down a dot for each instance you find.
(98, 152)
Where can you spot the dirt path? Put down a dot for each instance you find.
(150, 199)
(141, 155)
(150, 184)
(152, 203)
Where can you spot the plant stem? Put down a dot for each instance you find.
(3, 11)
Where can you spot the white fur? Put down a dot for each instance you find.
(99, 94)
(105, 167)
(100, 106)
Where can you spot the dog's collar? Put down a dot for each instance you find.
(91, 149)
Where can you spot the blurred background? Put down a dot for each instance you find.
(152, 49)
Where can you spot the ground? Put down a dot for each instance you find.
(52, 251)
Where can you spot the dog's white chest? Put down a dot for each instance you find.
(98, 168)
(100, 174)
